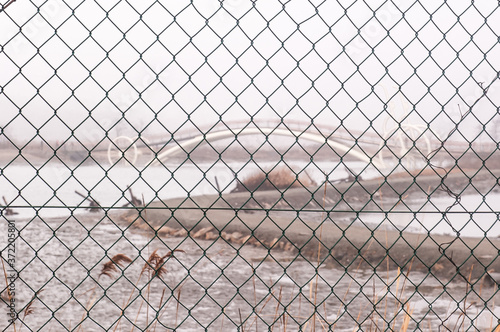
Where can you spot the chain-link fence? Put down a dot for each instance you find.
(249, 165)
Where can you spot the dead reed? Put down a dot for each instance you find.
(275, 310)
(9, 297)
(154, 267)
(110, 267)
(28, 310)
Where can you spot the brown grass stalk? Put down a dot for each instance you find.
(29, 307)
(387, 280)
(177, 307)
(407, 318)
(9, 294)
(159, 308)
(350, 283)
(495, 289)
(463, 314)
(465, 300)
(278, 303)
(241, 321)
(269, 297)
(254, 296)
(318, 258)
(153, 268)
(398, 300)
(2, 9)
(178, 303)
(222, 320)
(108, 270)
(287, 314)
(138, 313)
(375, 299)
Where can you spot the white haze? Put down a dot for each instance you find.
(78, 67)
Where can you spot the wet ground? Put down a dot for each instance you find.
(251, 261)
(407, 221)
(218, 285)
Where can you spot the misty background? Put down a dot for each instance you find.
(88, 69)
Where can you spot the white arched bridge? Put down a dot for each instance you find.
(342, 142)
(211, 137)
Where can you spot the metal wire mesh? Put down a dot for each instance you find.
(249, 165)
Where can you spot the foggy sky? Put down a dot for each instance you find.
(194, 63)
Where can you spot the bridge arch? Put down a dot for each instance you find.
(334, 144)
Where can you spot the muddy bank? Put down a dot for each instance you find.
(295, 220)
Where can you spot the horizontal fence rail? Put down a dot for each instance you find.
(249, 165)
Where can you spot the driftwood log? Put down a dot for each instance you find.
(94, 206)
(8, 211)
(134, 201)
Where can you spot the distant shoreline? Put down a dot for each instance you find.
(343, 244)
(37, 156)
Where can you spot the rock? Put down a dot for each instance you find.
(201, 233)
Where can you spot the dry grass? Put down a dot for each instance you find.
(401, 317)
(7, 295)
(275, 311)
(110, 267)
(314, 320)
(28, 309)
(153, 268)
